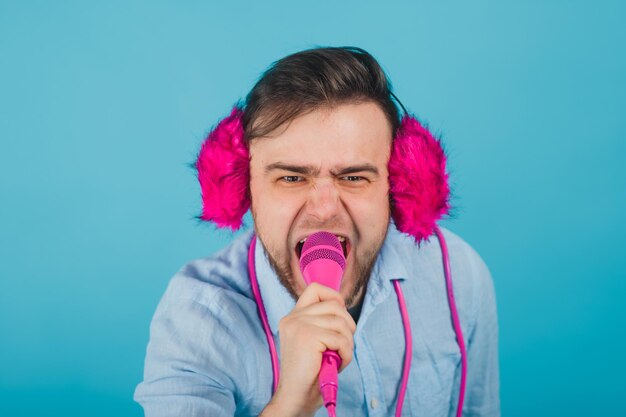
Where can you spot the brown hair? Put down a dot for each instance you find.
(310, 79)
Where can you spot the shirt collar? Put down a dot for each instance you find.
(389, 266)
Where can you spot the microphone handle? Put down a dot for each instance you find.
(328, 381)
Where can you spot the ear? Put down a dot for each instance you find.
(418, 180)
(223, 167)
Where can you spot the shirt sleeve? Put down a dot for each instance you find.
(188, 361)
(482, 392)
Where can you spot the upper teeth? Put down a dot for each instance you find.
(340, 238)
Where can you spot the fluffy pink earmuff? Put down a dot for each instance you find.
(417, 176)
(223, 167)
(418, 181)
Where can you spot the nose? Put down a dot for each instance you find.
(323, 201)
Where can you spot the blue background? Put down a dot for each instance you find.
(103, 105)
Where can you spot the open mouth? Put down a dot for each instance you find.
(345, 245)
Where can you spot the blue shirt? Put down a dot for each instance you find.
(208, 354)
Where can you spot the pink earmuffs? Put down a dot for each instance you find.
(418, 180)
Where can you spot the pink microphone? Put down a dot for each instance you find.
(322, 261)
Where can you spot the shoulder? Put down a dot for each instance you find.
(471, 279)
(209, 279)
(468, 265)
(192, 327)
(462, 255)
(211, 294)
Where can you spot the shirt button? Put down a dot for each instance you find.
(374, 403)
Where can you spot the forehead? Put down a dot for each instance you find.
(329, 136)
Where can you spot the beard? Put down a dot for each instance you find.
(362, 269)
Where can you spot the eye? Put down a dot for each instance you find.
(291, 178)
(353, 178)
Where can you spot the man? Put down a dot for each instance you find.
(319, 127)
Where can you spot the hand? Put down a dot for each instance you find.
(318, 322)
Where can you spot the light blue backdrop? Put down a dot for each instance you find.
(103, 105)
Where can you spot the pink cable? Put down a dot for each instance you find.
(262, 313)
(408, 342)
(455, 318)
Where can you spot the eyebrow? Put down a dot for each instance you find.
(300, 169)
(357, 168)
(311, 170)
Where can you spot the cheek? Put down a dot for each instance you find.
(371, 210)
(273, 212)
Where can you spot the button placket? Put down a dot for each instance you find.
(372, 390)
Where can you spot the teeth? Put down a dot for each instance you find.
(340, 238)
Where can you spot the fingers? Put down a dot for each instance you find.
(303, 327)
(337, 323)
(320, 332)
(320, 300)
(328, 310)
(340, 323)
(339, 342)
(315, 293)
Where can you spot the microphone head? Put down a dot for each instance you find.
(322, 260)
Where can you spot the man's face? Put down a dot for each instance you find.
(326, 170)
